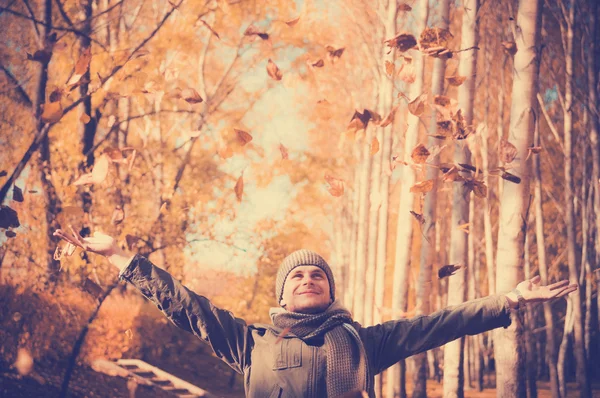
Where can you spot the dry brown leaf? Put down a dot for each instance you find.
(510, 47)
(452, 175)
(17, 194)
(243, 136)
(360, 121)
(284, 152)
(58, 253)
(52, 112)
(511, 177)
(118, 216)
(8, 217)
(390, 117)
(374, 146)
(335, 185)
(417, 106)
(333, 53)
(317, 64)
(83, 63)
(10, 234)
(419, 217)
(478, 187)
(419, 154)
(449, 270)
(42, 56)
(100, 170)
(434, 37)
(402, 42)
(132, 241)
(85, 118)
(422, 187)
(508, 152)
(404, 7)
(464, 227)
(442, 100)
(389, 68)
(461, 130)
(239, 187)
(273, 70)
(191, 96)
(56, 95)
(253, 31)
(292, 22)
(533, 150)
(456, 80)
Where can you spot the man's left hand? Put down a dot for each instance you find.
(532, 292)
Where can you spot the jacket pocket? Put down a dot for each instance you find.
(287, 354)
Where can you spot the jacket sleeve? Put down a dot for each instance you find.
(389, 342)
(227, 335)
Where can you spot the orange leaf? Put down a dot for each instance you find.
(336, 185)
(404, 7)
(243, 137)
(83, 63)
(508, 152)
(390, 117)
(239, 188)
(374, 146)
(402, 42)
(417, 106)
(292, 22)
(422, 187)
(420, 154)
(191, 96)
(273, 70)
(456, 80)
(85, 118)
(284, 152)
(52, 112)
(389, 68)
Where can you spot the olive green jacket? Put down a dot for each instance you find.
(289, 368)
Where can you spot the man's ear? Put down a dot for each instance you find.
(282, 303)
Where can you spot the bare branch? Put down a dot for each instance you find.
(62, 12)
(22, 93)
(549, 122)
(31, 13)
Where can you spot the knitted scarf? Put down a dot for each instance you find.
(347, 368)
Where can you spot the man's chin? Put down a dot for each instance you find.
(311, 308)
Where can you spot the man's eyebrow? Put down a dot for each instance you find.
(318, 271)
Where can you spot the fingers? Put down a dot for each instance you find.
(558, 285)
(62, 235)
(78, 238)
(567, 290)
(535, 280)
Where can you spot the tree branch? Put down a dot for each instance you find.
(32, 17)
(22, 93)
(549, 122)
(62, 12)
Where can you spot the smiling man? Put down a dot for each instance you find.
(313, 348)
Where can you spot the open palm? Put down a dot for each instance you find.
(533, 292)
(98, 243)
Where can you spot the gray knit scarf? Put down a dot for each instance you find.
(347, 368)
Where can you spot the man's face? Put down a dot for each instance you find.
(306, 290)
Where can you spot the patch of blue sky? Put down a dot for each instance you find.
(550, 95)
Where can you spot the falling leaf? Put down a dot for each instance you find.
(24, 362)
(419, 217)
(129, 334)
(535, 149)
(417, 106)
(118, 216)
(407, 73)
(81, 67)
(100, 170)
(239, 188)
(402, 42)
(434, 37)
(8, 218)
(478, 187)
(511, 177)
(284, 152)
(3, 173)
(51, 112)
(404, 7)
(56, 95)
(508, 152)
(510, 47)
(85, 118)
(464, 227)
(32, 191)
(317, 64)
(470, 167)
(10, 234)
(333, 53)
(292, 22)
(422, 187)
(253, 31)
(42, 56)
(243, 136)
(131, 241)
(283, 333)
(389, 68)
(69, 249)
(390, 117)
(191, 96)
(58, 252)
(336, 185)
(210, 28)
(442, 100)
(273, 70)
(360, 121)
(17, 194)
(419, 154)
(449, 270)
(452, 175)
(374, 146)
(461, 131)
(456, 80)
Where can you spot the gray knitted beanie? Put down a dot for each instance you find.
(296, 259)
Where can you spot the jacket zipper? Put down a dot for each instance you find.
(314, 372)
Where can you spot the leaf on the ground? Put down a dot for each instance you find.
(284, 152)
(17, 194)
(191, 96)
(10, 234)
(292, 22)
(85, 118)
(253, 31)
(333, 52)
(422, 187)
(100, 170)
(8, 217)
(511, 177)
(335, 185)
(420, 154)
(509, 47)
(402, 42)
(92, 288)
(242, 136)
(239, 187)
(456, 80)
(273, 70)
(389, 68)
(390, 117)
(449, 270)
(52, 112)
(419, 217)
(508, 152)
(214, 32)
(374, 146)
(417, 106)
(434, 37)
(118, 216)
(404, 7)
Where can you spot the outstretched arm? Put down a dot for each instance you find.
(227, 335)
(392, 341)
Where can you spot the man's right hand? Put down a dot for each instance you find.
(98, 243)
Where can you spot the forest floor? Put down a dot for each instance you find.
(86, 383)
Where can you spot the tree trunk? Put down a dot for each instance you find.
(578, 347)
(453, 351)
(404, 227)
(515, 198)
(543, 269)
(354, 243)
(529, 326)
(564, 347)
(428, 252)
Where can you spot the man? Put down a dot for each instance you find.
(313, 348)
